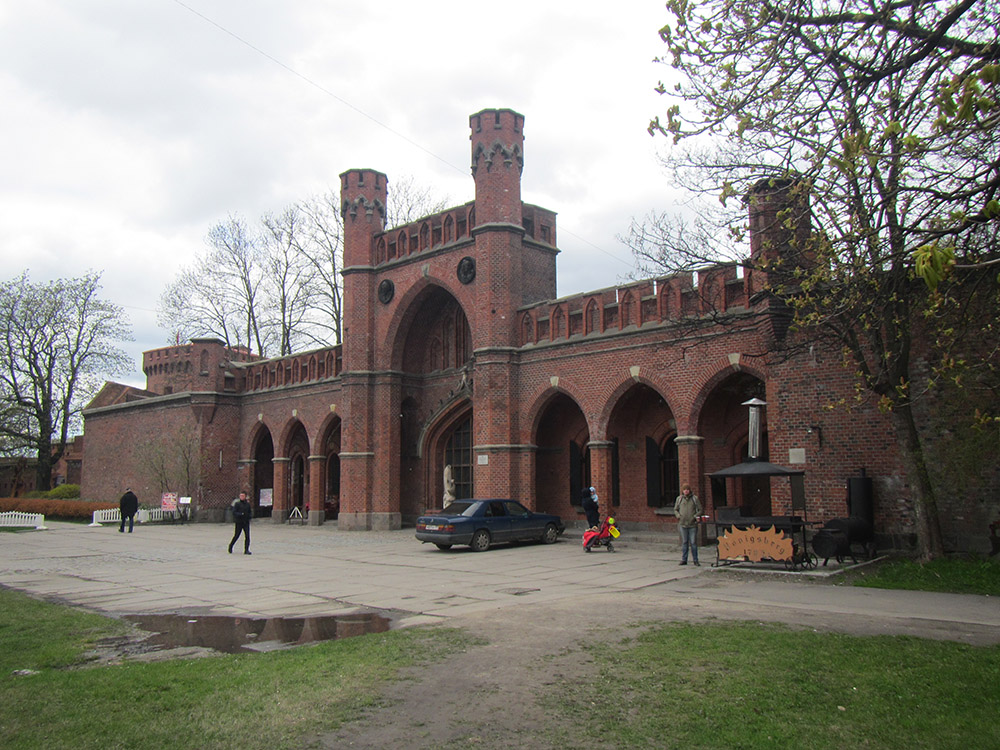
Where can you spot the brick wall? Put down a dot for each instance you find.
(454, 315)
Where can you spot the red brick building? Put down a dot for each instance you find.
(457, 352)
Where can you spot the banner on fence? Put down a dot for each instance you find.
(168, 501)
(266, 498)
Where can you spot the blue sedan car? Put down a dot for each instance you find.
(480, 523)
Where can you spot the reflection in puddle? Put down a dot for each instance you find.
(235, 634)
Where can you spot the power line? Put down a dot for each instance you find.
(364, 114)
(318, 86)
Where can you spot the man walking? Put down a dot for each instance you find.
(687, 508)
(241, 517)
(128, 506)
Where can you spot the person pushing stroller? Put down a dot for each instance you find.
(601, 537)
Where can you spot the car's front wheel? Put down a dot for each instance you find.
(480, 541)
(550, 534)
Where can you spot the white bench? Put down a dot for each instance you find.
(18, 518)
(145, 515)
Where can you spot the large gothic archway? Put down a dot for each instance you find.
(434, 356)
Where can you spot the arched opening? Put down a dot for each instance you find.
(644, 455)
(332, 474)
(562, 461)
(262, 492)
(723, 423)
(298, 473)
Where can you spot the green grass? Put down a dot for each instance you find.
(951, 574)
(749, 685)
(271, 700)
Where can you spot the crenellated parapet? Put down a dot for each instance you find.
(454, 225)
(203, 364)
(295, 369)
(710, 292)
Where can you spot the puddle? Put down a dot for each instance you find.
(233, 635)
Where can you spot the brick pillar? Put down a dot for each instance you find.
(691, 462)
(387, 396)
(357, 455)
(245, 476)
(317, 490)
(601, 452)
(279, 514)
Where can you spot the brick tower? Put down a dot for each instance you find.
(502, 466)
(363, 201)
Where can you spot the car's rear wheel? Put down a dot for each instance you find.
(442, 546)
(550, 534)
(480, 541)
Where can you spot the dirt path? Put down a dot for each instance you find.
(528, 649)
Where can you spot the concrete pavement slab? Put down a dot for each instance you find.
(322, 570)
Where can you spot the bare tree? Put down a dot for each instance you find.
(172, 461)
(57, 347)
(221, 295)
(324, 225)
(277, 288)
(324, 251)
(407, 201)
(292, 279)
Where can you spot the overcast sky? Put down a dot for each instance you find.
(130, 127)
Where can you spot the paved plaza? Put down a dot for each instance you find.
(307, 571)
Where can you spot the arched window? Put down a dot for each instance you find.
(627, 303)
(458, 455)
(593, 318)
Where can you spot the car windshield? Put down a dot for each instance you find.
(460, 508)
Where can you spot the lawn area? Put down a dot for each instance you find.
(270, 700)
(958, 575)
(750, 685)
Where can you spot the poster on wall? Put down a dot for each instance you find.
(168, 501)
(266, 500)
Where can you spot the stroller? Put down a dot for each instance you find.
(601, 537)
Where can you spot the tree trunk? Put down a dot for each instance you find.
(43, 469)
(928, 520)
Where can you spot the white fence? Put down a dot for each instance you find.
(114, 515)
(17, 518)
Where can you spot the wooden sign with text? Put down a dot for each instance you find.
(754, 544)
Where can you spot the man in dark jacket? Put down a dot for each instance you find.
(129, 506)
(241, 517)
(590, 507)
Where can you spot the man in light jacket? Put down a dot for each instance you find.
(687, 508)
